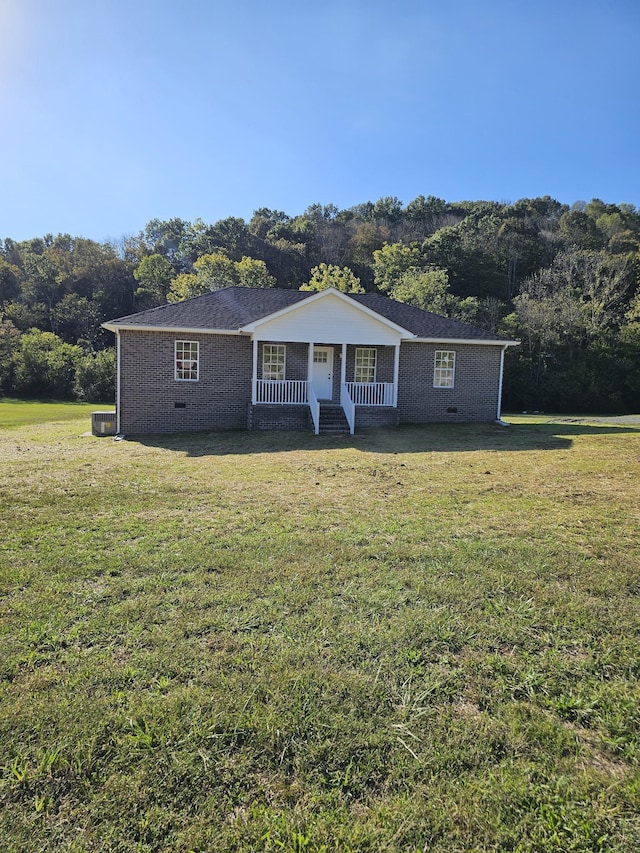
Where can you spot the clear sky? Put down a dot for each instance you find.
(114, 112)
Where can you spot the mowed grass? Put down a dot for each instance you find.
(424, 639)
(15, 413)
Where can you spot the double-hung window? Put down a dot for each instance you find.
(273, 362)
(365, 364)
(187, 360)
(444, 368)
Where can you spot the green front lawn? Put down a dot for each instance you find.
(15, 413)
(407, 640)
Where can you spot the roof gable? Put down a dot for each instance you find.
(328, 316)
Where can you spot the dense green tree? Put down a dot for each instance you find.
(253, 273)
(154, 274)
(520, 245)
(425, 210)
(217, 270)
(229, 235)
(366, 237)
(46, 365)
(428, 288)
(166, 237)
(95, 376)
(42, 285)
(76, 317)
(387, 210)
(425, 288)
(579, 230)
(10, 276)
(186, 285)
(392, 261)
(264, 220)
(9, 349)
(325, 276)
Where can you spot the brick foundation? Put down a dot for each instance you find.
(368, 417)
(274, 417)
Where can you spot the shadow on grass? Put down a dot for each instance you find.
(434, 438)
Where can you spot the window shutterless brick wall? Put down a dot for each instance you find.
(384, 363)
(152, 400)
(295, 359)
(474, 396)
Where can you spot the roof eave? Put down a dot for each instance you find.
(480, 341)
(183, 330)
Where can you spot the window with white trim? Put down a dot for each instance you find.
(187, 361)
(273, 362)
(444, 368)
(366, 358)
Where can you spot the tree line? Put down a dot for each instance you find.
(564, 280)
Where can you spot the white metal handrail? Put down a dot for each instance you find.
(348, 407)
(371, 393)
(314, 405)
(287, 392)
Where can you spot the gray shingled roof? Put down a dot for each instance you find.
(234, 307)
(423, 324)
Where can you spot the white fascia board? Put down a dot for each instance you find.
(323, 294)
(474, 341)
(182, 330)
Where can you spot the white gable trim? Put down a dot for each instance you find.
(324, 294)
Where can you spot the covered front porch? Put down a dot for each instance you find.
(322, 376)
(328, 349)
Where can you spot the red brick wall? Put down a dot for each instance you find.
(221, 398)
(474, 396)
(149, 392)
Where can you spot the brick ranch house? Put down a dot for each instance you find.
(251, 358)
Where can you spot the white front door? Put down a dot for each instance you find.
(322, 374)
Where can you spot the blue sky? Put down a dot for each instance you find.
(116, 112)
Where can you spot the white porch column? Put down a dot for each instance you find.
(499, 407)
(118, 430)
(396, 374)
(343, 365)
(310, 362)
(254, 377)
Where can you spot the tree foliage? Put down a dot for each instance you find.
(95, 374)
(325, 276)
(565, 280)
(46, 365)
(215, 271)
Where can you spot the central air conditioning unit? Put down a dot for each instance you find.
(103, 423)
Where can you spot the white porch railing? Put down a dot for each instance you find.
(314, 405)
(371, 393)
(289, 391)
(348, 407)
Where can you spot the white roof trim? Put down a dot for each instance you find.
(183, 330)
(476, 341)
(322, 294)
